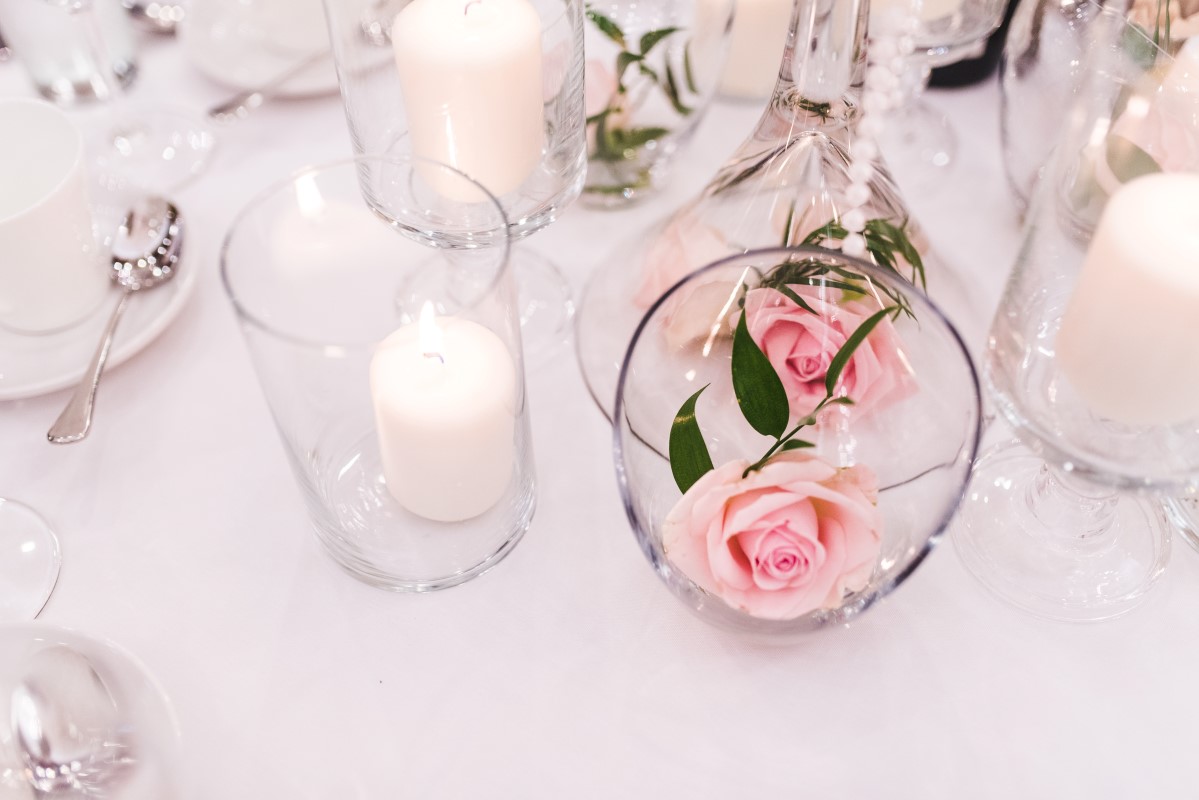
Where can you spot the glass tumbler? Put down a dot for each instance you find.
(387, 342)
(55, 51)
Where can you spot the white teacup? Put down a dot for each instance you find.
(51, 271)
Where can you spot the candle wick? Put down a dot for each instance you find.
(437, 356)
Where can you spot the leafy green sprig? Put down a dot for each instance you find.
(763, 401)
(886, 243)
(613, 143)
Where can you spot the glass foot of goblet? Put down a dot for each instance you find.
(920, 146)
(1055, 545)
(1184, 513)
(29, 562)
(151, 149)
(546, 304)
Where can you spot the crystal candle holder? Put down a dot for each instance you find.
(387, 342)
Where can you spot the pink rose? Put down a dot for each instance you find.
(599, 87)
(697, 311)
(801, 346)
(795, 536)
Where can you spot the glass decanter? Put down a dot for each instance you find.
(804, 169)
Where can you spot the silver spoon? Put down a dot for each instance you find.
(145, 254)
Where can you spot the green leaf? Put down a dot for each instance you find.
(607, 27)
(689, 458)
(1127, 161)
(637, 137)
(830, 230)
(794, 297)
(672, 93)
(648, 72)
(622, 63)
(825, 283)
(759, 390)
(841, 359)
(653, 37)
(688, 73)
(790, 222)
(795, 444)
(822, 110)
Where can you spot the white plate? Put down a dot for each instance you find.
(33, 365)
(228, 45)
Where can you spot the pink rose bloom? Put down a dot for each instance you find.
(801, 346)
(699, 310)
(685, 245)
(599, 86)
(795, 536)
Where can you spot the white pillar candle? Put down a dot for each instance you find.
(1127, 339)
(445, 394)
(470, 75)
(301, 234)
(756, 47)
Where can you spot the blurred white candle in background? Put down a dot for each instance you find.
(445, 394)
(756, 43)
(470, 75)
(1128, 337)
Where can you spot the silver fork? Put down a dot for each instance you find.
(241, 104)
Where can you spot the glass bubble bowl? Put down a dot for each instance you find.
(915, 424)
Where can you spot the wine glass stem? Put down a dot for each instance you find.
(106, 82)
(1069, 506)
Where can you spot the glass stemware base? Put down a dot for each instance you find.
(545, 303)
(1055, 545)
(29, 562)
(152, 149)
(920, 145)
(1183, 512)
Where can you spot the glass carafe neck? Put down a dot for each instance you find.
(823, 67)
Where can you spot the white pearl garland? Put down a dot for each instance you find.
(890, 44)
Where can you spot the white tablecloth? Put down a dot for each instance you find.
(568, 671)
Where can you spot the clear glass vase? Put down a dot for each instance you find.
(1089, 357)
(652, 69)
(789, 183)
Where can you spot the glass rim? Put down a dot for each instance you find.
(260, 198)
(820, 618)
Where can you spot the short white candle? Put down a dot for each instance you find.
(1127, 339)
(319, 235)
(445, 394)
(470, 74)
(756, 47)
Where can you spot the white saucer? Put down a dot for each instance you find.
(231, 49)
(36, 364)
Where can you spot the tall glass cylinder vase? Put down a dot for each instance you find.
(493, 88)
(388, 346)
(802, 176)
